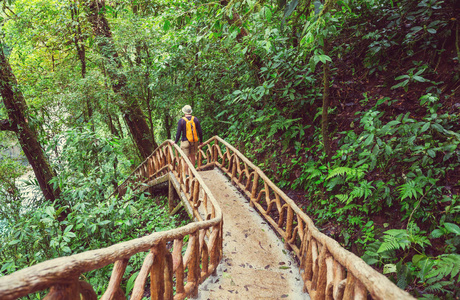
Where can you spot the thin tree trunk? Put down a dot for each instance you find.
(168, 123)
(146, 83)
(324, 120)
(17, 113)
(81, 53)
(130, 108)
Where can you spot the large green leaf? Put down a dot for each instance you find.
(453, 228)
(290, 8)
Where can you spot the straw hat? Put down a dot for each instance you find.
(187, 110)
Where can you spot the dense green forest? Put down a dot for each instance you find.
(351, 107)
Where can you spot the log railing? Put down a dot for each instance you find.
(170, 269)
(328, 270)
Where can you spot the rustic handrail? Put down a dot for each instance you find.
(328, 270)
(202, 255)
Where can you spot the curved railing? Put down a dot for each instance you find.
(170, 269)
(328, 270)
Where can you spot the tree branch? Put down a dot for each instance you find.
(8, 125)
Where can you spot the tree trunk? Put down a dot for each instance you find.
(81, 53)
(324, 120)
(168, 123)
(146, 84)
(130, 108)
(17, 113)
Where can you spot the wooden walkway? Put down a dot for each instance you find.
(228, 252)
(255, 264)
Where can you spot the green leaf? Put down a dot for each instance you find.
(49, 210)
(425, 127)
(130, 283)
(268, 13)
(371, 261)
(68, 228)
(308, 38)
(389, 268)
(401, 84)
(290, 8)
(393, 123)
(437, 233)
(416, 258)
(453, 228)
(419, 78)
(13, 242)
(402, 77)
(369, 140)
(323, 58)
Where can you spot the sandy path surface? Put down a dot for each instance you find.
(255, 264)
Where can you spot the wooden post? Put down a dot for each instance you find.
(214, 244)
(115, 280)
(157, 279)
(309, 264)
(194, 265)
(195, 193)
(200, 158)
(168, 275)
(316, 263)
(360, 291)
(322, 273)
(178, 265)
(64, 292)
(338, 294)
(171, 196)
(255, 184)
(339, 275)
(289, 225)
(86, 291)
(204, 254)
(233, 167)
(350, 287)
(139, 284)
(303, 250)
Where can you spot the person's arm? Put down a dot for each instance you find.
(198, 129)
(179, 131)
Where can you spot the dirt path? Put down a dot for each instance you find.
(255, 264)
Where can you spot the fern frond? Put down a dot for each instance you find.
(396, 232)
(446, 265)
(394, 239)
(387, 246)
(340, 171)
(313, 172)
(342, 197)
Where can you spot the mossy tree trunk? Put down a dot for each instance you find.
(17, 122)
(132, 112)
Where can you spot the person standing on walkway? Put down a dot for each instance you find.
(189, 129)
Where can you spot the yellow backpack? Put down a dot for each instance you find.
(190, 129)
